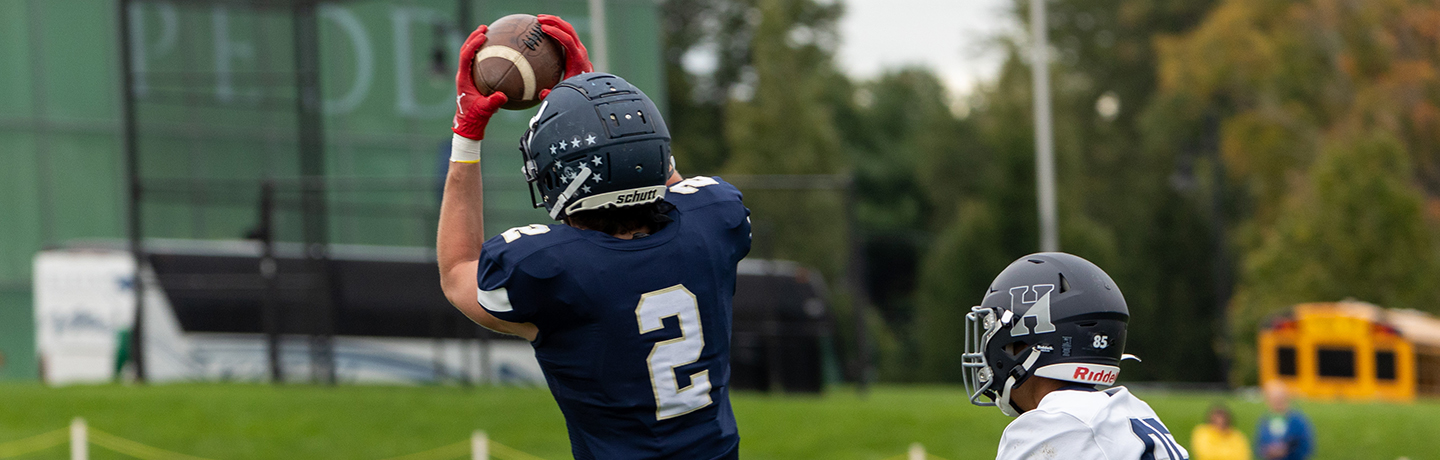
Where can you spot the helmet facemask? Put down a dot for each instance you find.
(980, 325)
(994, 378)
(528, 166)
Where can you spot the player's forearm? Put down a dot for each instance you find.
(458, 244)
(462, 227)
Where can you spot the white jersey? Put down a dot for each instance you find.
(1084, 424)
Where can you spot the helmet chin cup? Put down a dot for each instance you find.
(1007, 406)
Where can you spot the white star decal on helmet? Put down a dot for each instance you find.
(596, 160)
(589, 139)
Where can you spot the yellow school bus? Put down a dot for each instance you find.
(1352, 350)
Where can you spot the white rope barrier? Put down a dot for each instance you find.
(80, 436)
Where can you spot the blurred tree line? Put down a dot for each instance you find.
(1324, 117)
(1222, 159)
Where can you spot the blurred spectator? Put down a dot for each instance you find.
(1283, 433)
(1218, 439)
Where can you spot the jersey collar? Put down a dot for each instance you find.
(655, 239)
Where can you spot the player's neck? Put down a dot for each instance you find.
(632, 234)
(627, 235)
(1027, 397)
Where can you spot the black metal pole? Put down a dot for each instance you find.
(312, 203)
(437, 347)
(484, 376)
(463, 333)
(463, 14)
(859, 297)
(132, 174)
(770, 342)
(269, 272)
(1221, 265)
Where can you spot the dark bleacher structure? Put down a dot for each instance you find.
(783, 328)
(781, 335)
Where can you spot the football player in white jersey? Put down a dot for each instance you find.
(1045, 347)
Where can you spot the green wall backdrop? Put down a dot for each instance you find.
(216, 115)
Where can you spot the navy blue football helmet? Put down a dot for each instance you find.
(596, 143)
(1053, 315)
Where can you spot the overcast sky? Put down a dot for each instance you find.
(945, 35)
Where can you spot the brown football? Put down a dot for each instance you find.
(518, 60)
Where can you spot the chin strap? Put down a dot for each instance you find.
(1006, 406)
(569, 192)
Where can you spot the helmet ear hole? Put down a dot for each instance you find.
(1014, 349)
(548, 180)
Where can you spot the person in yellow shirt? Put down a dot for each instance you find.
(1218, 439)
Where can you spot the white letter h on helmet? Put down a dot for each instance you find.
(1037, 297)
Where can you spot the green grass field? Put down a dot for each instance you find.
(233, 422)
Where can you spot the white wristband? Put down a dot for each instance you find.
(464, 150)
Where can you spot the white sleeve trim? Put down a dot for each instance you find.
(464, 149)
(497, 300)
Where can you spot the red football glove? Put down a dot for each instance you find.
(577, 58)
(472, 109)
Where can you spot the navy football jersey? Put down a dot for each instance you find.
(634, 335)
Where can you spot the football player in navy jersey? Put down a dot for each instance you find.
(627, 302)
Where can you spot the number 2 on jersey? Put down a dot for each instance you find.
(671, 400)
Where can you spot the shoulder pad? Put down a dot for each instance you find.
(700, 191)
(532, 236)
(512, 246)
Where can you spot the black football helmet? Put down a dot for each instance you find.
(597, 142)
(1053, 315)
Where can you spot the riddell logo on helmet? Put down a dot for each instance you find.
(1104, 376)
(636, 197)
